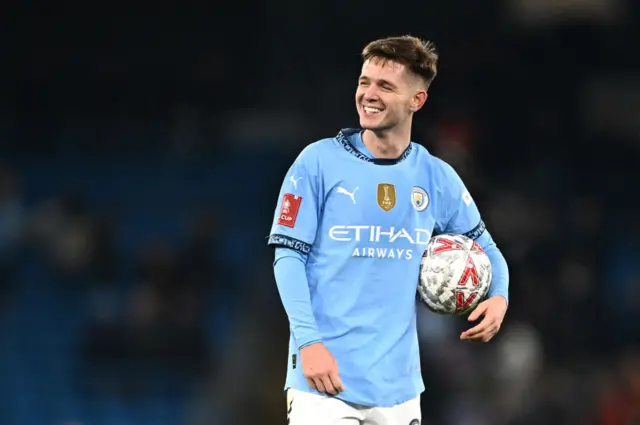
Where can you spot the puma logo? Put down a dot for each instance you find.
(294, 181)
(351, 195)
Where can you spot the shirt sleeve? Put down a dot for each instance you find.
(291, 277)
(293, 233)
(459, 214)
(296, 217)
(500, 271)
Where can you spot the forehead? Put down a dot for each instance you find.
(383, 69)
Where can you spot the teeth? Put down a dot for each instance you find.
(370, 110)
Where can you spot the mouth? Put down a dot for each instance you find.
(370, 110)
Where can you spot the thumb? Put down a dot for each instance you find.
(479, 311)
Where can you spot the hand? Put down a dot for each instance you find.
(321, 369)
(493, 311)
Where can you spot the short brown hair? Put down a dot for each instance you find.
(419, 56)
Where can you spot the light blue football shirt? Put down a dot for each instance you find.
(363, 224)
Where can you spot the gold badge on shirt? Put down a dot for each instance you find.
(386, 196)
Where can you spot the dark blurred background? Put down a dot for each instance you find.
(142, 150)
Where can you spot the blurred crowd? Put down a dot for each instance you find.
(138, 182)
(159, 320)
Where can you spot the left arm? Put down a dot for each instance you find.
(459, 214)
(500, 272)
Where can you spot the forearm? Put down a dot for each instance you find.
(291, 278)
(500, 270)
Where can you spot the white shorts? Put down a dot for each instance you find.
(311, 409)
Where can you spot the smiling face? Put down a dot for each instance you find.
(388, 94)
(396, 74)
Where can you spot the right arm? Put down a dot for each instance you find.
(291, 277)
(292, 234)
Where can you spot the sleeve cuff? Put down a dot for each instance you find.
(308, 342)
(278, 240)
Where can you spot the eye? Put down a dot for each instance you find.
(362, 84)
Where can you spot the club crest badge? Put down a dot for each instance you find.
(419, 198)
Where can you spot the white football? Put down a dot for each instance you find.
(455, 274)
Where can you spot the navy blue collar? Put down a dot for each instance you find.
(343, 138)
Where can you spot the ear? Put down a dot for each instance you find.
(419, 99)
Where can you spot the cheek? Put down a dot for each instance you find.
(396, 105)
(405, 105)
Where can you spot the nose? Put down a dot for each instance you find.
(371, 93)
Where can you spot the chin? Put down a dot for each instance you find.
(371, 123)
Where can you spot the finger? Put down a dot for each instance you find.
(485, 336)
(328, 385)
(312, 384)
(336, 381)
(493, 332)
(479, 311)
(319, 385)
(480, 328)
(476, 330)
(480, 338)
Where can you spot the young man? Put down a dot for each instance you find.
(353, 219)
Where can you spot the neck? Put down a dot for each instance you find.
(388, 144)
